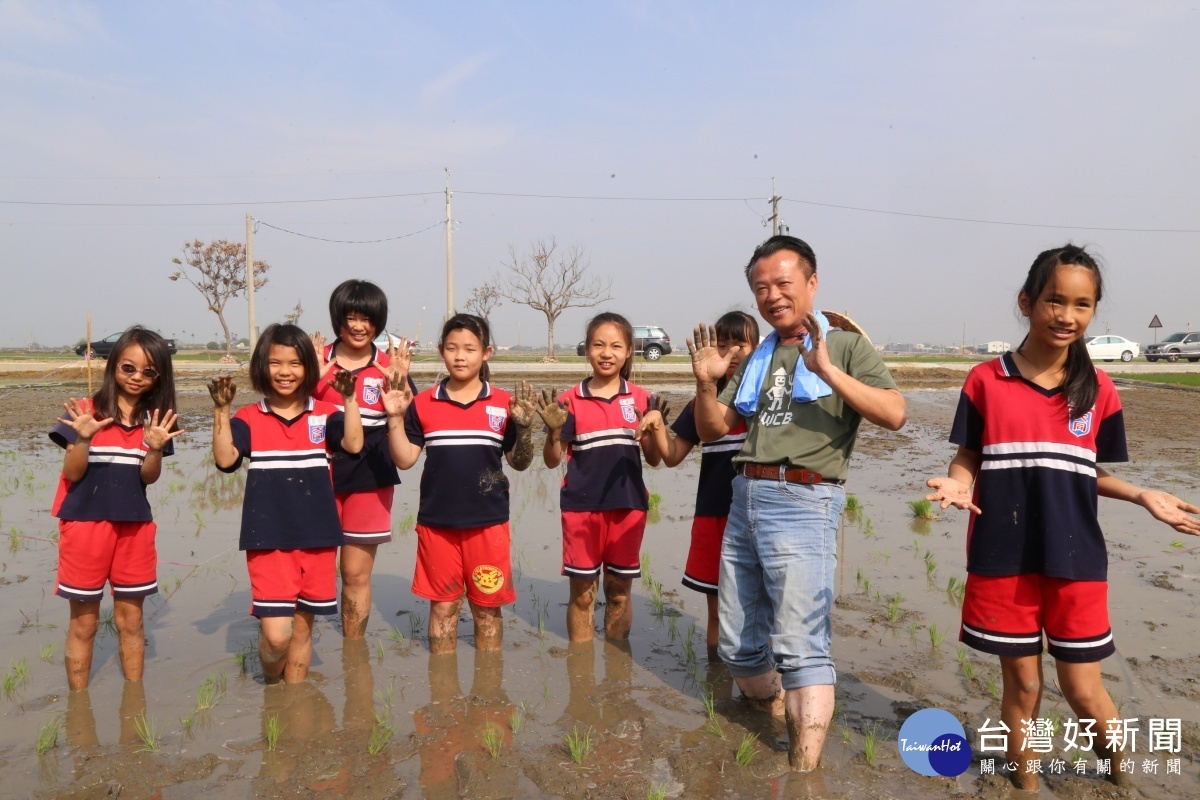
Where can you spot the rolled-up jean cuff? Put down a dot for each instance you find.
(809, 676)
(747, 670)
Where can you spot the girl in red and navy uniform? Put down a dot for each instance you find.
(115, 443)
(1031, 428)
(597, 427)
(290, 527)
(465, 424)
(735, 331)
(363, 483)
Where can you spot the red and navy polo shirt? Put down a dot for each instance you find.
(1037, 480)
(372, 468)
(289, 501)
(604, 461)
(714, 493)
(111, 489)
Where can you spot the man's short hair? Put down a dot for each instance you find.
(783, 242)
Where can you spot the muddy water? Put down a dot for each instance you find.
(637, 705)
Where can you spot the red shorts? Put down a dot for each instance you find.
(1006, 616)
(283, 582)
(612, 539)
(366, 516)
(704, 556)
(477, 559)
(91, 553)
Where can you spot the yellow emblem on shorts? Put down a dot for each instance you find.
(488, 579)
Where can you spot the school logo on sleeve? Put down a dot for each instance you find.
(628, 409)
(487, 579)
(496, 417)
(371, 389)
(316, 428)
(1082, 426)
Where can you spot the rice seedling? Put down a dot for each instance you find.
(962, 654)
(108, 623)
(936, 636)
(656, 791)
(992, 688)
(930, 564)
(406, 524)
(881, 555)
(713, 726)
(921, 509)
(746, 750)
(689, 652)
(380, 652)
(147, 732)
(647, 575)
(1177, 544)
(415, 623)
(871, 742)
(878, 596)
(968, 669)
(672, 628)
(396, 635)
(239, 658)
(48, 735)
(912, 629)
(210, 692)
(15, 678)
(866, 586)
(493, 739)
(579, 744)
(709, 700)
(186, 723)
(868, 527)
(14, 540)
(853, 506)
(893, 608)
(858, 578)
(274, 728)
(916, 548)
(515, 719)
(654, 501)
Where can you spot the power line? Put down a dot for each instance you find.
(222, 203)
(349, 241)
(609, 197)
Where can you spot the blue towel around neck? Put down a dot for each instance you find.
(806, 386)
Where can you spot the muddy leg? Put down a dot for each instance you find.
(81, 640)
(443, 626)
(581, 620)
(299, 651)
(489, 627)
(809, 710)
(131, 638)
(273, 646)
(764, 692)
(1021, 700)
(358, 560)
(714, 626)
(1083, 687)
(618, 608)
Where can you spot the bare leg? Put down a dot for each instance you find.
(809, 710)
(1083, 687)
(299, 652)
(764, 692)
(81, 640)
(618, 607)
(714, 626)
(131, 638)
(443, 626)
(358, 560)
(1021, 700)
(273, 646)
(581, 619)
(489, 627)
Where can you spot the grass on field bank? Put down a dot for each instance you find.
(1175, 378)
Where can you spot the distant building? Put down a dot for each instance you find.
(995, 347)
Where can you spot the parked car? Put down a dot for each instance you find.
(1110, 348)
(650, 341)
(102, 347)
(1176, 346)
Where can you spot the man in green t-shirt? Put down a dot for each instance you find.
(802, 395)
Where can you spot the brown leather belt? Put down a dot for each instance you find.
(774, 472)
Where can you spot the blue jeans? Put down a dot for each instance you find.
(775, 591)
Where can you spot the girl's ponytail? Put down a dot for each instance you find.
(1080, 383)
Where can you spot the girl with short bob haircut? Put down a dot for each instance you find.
(1031, 429)
(115, 442)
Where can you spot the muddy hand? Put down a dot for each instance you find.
(815, 354)
(400, 354)
(1170, 509)
(81, 420)
(343, 383)
(397, 396)
(553, 414)
(649, 422)
(222, 388)
(659, 403)
(318, 340)
(522, 407)
(951, 493)
(708, 365)
(156, 433)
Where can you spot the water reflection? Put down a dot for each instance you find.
(301, 720)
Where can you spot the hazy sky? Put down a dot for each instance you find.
(129, 128)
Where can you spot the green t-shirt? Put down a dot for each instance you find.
(819, 435)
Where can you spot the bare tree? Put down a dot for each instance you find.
(551, 281)
(293, 316)
(482, 300)
(220, 274)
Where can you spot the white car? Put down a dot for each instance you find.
(1110, 348)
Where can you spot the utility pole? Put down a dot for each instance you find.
(449, 252)
(774, 209)
(250, 280)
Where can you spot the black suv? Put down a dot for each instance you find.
(103, 347)
(650, 341)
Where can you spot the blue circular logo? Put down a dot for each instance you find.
(932, 742)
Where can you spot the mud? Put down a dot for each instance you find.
(381, 717)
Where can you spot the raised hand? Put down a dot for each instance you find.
(318, 340)
(551, 412)
(659, 403)
(343, 383)
(708, 365)
(397, 396)
(1170, 509)
(400, 354)
(649, 422)
(816, 354)
(156, 433)
(222, 389)
(523, 405)
(951, 493)
(82, 421)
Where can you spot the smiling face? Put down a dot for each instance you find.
(608, 350)
(285, 370)
(463, 355)
(739, 350)
(1061, 314)
(132, 386)
(357, 331)
(784, 286)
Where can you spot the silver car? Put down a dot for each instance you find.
(1178, 345)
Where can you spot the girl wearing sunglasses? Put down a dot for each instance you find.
(115, 443)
